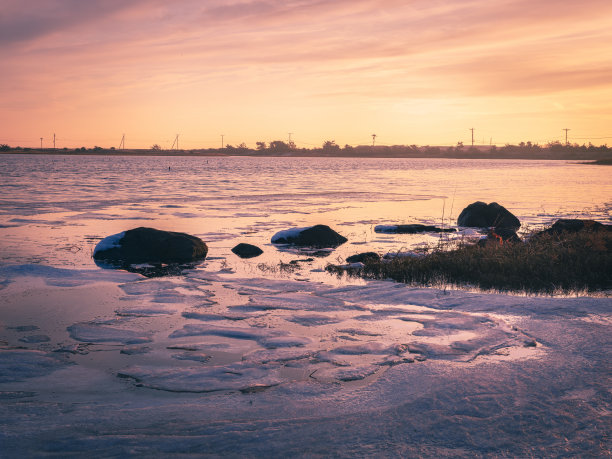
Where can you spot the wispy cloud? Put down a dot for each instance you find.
(88, 54)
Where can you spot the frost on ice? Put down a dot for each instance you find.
(17, 364)
(97, 333)
(238, 376)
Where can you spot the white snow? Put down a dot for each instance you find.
(109, 242)
(288, 234)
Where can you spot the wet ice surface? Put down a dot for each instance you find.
(242, 358)
(274, 366)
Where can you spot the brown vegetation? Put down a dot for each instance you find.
(547, 264)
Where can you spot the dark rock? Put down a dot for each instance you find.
(247, 250)
(148, 245)
(315, 236)
(574, 226)
(481, 215)
(500, 236)
(411, 229)
(530, 343)
(363, 257)
(506, 234)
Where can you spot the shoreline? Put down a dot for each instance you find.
(544, 156)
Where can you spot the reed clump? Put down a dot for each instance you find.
(543, 264)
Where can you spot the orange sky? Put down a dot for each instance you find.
(413, 72)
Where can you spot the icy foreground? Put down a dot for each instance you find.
(220, 365)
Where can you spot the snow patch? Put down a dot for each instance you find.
(288, 234)
(109, 242)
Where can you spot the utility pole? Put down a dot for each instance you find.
(54, 140)
(122, 144)
(566, 129)
(41, 143)
(222, 144)
(175, 143)
(472, 129)
(373, 139)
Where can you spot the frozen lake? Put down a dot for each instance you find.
(242, 358)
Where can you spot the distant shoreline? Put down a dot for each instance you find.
(601, 162)
(593, 158)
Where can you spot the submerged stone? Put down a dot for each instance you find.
(34, 339)
(362, 257)
(411, 229)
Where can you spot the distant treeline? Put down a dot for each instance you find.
(524, 150)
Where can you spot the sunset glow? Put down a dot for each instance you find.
(413, 72)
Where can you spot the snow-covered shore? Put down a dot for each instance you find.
(213, 364)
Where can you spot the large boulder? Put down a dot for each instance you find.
(149, 245)
(247, 250)
(411, 229)
(482, 215)
(574, 226)
(313, 236)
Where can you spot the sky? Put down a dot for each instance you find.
(412, 72)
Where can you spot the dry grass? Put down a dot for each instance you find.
(580, 262)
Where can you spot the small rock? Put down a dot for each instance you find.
(319, 236)
(362, 257)
(247, 250)
(499, 236)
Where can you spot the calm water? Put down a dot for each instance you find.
(53, 209)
